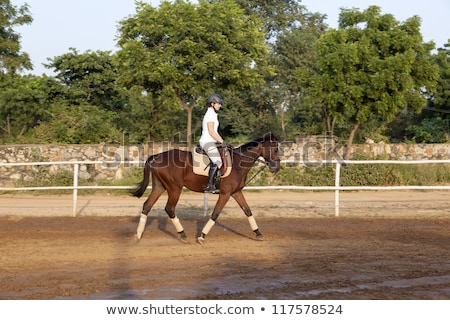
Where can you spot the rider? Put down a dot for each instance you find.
(210, 137)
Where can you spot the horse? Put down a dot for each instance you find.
(172, 170)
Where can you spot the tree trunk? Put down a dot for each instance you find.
(189, 119)
(328, 120)
(348, 150)
(332, 126)
(189, 128)
(8, 125)
(24, 128)
(283, 126)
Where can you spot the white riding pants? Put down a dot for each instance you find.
(212, 152)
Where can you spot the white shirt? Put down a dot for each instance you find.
(210, 116)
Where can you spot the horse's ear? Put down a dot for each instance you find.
(270, 136)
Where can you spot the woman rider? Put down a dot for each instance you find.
(210, 137)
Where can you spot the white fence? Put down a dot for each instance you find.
(337, 187)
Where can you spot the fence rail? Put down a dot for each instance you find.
(336, 188)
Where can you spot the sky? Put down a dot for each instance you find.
(92, 24)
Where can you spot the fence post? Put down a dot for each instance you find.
(75, 189)
(336, 191)
(205, 204)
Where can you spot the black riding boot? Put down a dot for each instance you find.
(212, 179)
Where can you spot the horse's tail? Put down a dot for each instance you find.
(142, 186)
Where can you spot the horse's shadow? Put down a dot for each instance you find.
(163, 224)
(218, 224)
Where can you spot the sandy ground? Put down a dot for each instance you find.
(384, 245)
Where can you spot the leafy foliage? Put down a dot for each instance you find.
(90, 78)
(278, 66)
(429, 131)
(185, 51)
(372, 65)
(77, 124)
(21, 106)
(12, 60)
(295, 62)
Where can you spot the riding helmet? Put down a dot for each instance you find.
(214, 98)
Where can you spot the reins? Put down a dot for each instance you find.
(266, 164)
(258, 172)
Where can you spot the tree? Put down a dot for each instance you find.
(185, 51)
(296, 64)
(90, 87)
(11, 59)
(433, 124)
(144, 119)
(277, 15)
(250, 113)
(17, 97)
(90, 78)
(21, 105)
(441, 98)
(73, 124)
(273, 98)
(373, 66)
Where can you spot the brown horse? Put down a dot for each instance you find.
(172, 170)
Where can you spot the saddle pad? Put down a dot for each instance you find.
(200, 163)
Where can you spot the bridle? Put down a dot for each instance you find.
(265, 162)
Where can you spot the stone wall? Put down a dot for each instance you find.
(110, 165)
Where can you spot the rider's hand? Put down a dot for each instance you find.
(226, 145)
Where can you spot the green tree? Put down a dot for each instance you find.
(441, 98)
(373, 66)
(74, 124)
(249, 113)
(21, 106)
(18, 99)
(12, 60)
(433, 124)
(265, 105)
(276, 15)
(296, 64)
(90, 78)
(144, 119)
(91, 102)
(185, 51)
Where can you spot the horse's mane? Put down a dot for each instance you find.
(256, 142)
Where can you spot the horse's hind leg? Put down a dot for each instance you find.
(239, 197)
(174, 196)
(157, 191)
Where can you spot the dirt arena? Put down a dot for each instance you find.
(384, 245)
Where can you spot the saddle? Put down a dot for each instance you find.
(201, 161)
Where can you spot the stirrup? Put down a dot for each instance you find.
(212, 189)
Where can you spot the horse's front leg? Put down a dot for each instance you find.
(176, 223)
(223, 199)
(239, 197)
(174, 196)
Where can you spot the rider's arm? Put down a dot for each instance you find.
(214, 134)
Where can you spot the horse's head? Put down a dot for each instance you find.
(270, 152)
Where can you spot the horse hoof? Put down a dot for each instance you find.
(183, 238)
(259, 237)
(136, 239)
(200, 240)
